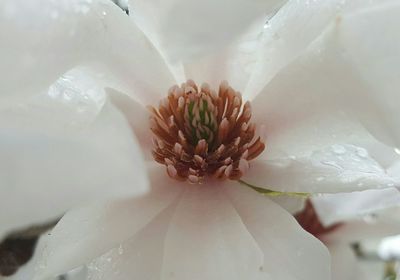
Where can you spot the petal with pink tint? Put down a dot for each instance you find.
(281, 239)
(84, 234)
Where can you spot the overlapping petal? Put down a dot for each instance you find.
(233, 63)
(376, 225)
(280, 238)
(200, 231)
(345, 265)
(290, 32)
(324, 98)
(335, 75)
(44, 39)
(63, 149)
(182, 29)
(88, 232)
(341, 207)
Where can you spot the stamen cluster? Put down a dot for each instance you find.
(199, 132)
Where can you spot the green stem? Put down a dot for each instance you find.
(269, 192)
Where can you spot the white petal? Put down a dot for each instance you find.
(233, 63)
(63, 149)
(374, 58)
(43, 39)
(344, 263)
(206, 239)
(85, 233)
(369, 227)
(184, 29)
(137, 116)
(289, 251)
(131, 60)
(334, 76)
(53, 158)
(389, 248)
(294, 27)
(333, 208)
(325, 91)
(286, 35)
(139, 257)
(324, 170)
(292, 204)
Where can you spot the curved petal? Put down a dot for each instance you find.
(86, 233)
(35, 35)
(326, 83)
(233, 63)
(334, 208)
(374, 226)
(294, 27)
(337, 168)
(43, 39)
(335, 75)
(281, 239)
(206, 239)
(292, 204)
(184, 29)
(286, 35)
(130, 60)
(345, 263)
(137, 116)
(140, 257)
(56, 155)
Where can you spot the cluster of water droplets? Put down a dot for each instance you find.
(112, 257)
(348, 164)
(79, 94)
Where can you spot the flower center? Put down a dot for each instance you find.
(199, 132)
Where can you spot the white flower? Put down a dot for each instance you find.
(314, 79)
(342, 220)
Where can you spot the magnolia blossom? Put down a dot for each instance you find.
(74, 126)
(341, 220)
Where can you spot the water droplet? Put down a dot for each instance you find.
(390, 185)
(361, 152)
(120, 250)
(332, 164)
(320, 179)
(267, 25)
(104, 13)
(338, 149)
(370, 219)
(397, 151)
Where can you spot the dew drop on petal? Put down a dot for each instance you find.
(320, 179)
(361, 152)
(338, 149)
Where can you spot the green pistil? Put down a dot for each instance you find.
(268, 192)
(204, 120)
